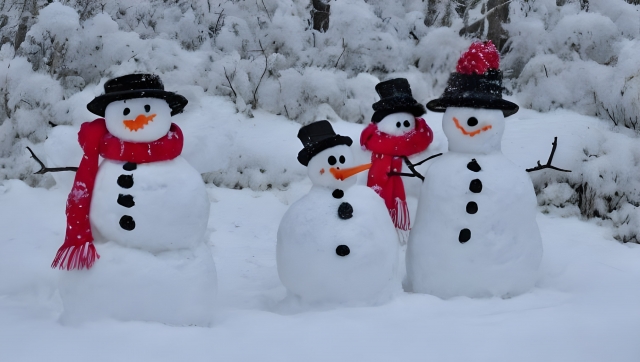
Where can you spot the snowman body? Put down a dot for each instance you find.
(337, 244)
(149, 222)
(156, 206)
(475, 232)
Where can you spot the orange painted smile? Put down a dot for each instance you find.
(138, 123)
(467, 133)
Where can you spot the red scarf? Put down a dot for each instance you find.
(78, 251)
(387, 157)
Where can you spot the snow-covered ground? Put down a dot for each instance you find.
(585, 306)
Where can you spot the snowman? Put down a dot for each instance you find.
(337, 244)
(396, 133)
(134, 247)
(475, 232)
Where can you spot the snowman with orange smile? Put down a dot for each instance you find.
(136, 221)
(475, 232)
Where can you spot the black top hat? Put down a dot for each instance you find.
(135, 86)
(474, 91)
(395, 96)
(317, 137)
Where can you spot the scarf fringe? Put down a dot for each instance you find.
(401, 220)
(74, 257)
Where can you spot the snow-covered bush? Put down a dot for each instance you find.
(578, 57)
(604, 182)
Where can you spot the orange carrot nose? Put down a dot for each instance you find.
(348, 172)
(138, 123)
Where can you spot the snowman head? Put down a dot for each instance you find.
(396, 110)
(328, 157)
(472, 102)
(138, 119)
(327, 168)
(137, 108)
(473, 130)
(397, 124)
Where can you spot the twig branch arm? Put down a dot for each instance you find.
(44, 169)
(427, 159)
(548, 164)
(403, 174)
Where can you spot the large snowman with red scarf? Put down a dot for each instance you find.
(134, 247)
(337, 244)
(396, 135)
(475, 232)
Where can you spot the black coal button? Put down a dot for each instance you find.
(472, 208)
(125, 181)
(342, 250)
(475, 186)
(473, 165)
(465, 235)
(345, 211)
(337, 193)
(126, 200)
(127, 223)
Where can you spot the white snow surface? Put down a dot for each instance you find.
(584, 306)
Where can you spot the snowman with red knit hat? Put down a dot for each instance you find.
(134, 246)
(396, 133)
(475, 232)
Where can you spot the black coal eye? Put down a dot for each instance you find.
(147, 108)
(332, 160)
(473, 121)
(126, 111)
(342, 159)
(406, 123)
(398, 124)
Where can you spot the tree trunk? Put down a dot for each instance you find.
(320, 14)
(21, 34)
(440, 13)
(497, 15)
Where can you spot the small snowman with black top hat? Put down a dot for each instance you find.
(475, 232)
(336, 244)
(395, 134)
(134, 247)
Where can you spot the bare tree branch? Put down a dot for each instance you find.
(344, 47)
(229, 81)
(266, 65)
(266, 11)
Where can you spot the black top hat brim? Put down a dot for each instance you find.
(474, 91)
(99, 104)
(441, 104)
(307, 153)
